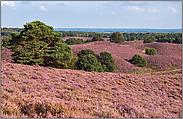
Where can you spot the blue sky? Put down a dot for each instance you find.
(93, 14)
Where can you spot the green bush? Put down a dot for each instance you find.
(105, 59)
(151, 51)
(71, 41)
(71, 65)
(89, 63)
(107, 62)
(147, 40)
(138, 60)
(116, 37)
(97, 38)
(79, 41)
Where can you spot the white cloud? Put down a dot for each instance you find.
(8, 3)
(42, 8)
(154, 10)
(135, 8)
(173, 9)
(112, 12)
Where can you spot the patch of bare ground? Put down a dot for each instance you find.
(45, 92)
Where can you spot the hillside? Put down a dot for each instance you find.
(168, 54)
(35, 91)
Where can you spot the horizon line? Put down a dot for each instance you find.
(106, 27)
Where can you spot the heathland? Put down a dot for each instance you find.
(43, 91)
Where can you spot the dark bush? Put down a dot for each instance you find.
(105, 58)
(116, 37)
(138, 60)
(151, 51)
(89, 63)
(71, 41)
(107, 62)
(97, 38)
(87, 41)
(147, 40)
(79, 41)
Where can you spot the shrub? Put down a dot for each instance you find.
(97, 38)
(105, 59)
(71, 65)
(138, 60)
(71, 41)
(88, 40)
(79, 41)
(116, 37)
(107, 62)
(147, 40)
(89, 63)
(151, 51)
(86, 52)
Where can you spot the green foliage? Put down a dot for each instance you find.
(147, 40)
(151, 51)
(116, 37)
(105, 59)
(97, 38)
(5, 41)
(89, 63)
(107, 62)
(58, 56)
(79, 41)
(71, 65)
(38, 44)
(1, 43)
(71, 41)
(86, 52)
(138, 60)
(88, 40)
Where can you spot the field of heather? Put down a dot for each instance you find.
(130, 92)
(168, 54)
(36, 92)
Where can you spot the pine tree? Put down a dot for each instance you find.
(38, 44)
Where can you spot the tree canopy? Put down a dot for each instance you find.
(116, 37)
(37, 43)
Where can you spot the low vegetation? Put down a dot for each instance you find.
(151, 51)
(138, 60)
(89, 61)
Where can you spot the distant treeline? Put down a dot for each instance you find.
(158, 37)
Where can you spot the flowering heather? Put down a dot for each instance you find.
(168, 54)
(45, 92)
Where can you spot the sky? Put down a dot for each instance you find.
(93, 14)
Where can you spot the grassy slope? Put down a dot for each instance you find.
(34, 91)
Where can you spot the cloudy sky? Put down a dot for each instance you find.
(93, 14)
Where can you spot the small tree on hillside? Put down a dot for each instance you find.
(105, 58)
(107, 62)
(116, 37)
(147, 40)
(151, 51)
(89, 63)
(138, 60)
(71, 41)
(97, 38)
